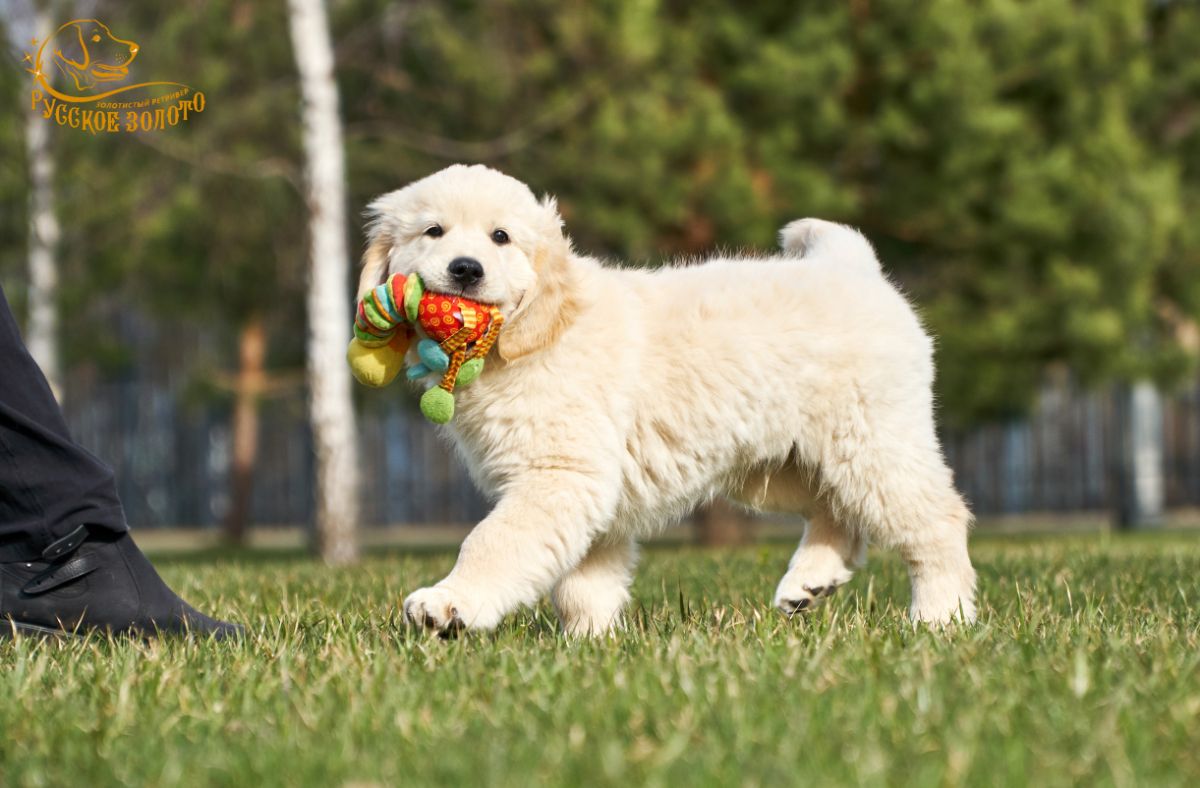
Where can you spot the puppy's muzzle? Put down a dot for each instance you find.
(465, 271)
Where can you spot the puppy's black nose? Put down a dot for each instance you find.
(465, 270)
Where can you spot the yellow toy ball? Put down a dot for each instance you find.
(377, 366)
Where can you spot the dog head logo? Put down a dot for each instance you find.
(87, 53)
(84, 62)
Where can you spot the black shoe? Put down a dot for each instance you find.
(95, 579)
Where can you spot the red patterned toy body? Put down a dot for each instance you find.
(444, 316)
(461, 333)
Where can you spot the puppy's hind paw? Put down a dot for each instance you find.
(814, 576)
(808, 599)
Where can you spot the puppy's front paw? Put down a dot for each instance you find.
(447, 611)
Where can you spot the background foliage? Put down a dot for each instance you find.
(1027, 170)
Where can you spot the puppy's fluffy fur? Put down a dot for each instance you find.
(618, 400)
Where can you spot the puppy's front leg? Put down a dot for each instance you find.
(540, 529)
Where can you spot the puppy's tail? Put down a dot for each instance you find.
(845, 245)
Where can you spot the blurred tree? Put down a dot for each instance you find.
(14, 181)
(198, 225)
(237, 158)
(14, 173)
(44, 233)
(332, 410)
(1168, 115)
(721, 524)
(1169, 111)
(1024, 168)
(29, 23)
(991, 150)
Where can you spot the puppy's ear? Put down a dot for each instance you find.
(375, 262)
(550, 305)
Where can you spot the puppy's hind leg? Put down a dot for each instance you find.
(826, 559)
(939, 567)
(829, 552)
(904, 496)
(589, 599)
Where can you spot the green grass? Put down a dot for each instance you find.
(1082, 670)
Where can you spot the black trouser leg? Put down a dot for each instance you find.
(49, 485)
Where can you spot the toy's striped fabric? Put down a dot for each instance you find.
(458, 350)
(380, 313)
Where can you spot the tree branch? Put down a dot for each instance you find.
(271, 167)
(485, 150)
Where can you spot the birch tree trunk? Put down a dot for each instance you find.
(331, 408)
(42, 329)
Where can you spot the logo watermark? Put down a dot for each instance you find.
(88, 62)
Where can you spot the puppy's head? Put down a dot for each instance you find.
(475, 232)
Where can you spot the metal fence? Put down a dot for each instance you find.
(1067, 456)
(172, 457)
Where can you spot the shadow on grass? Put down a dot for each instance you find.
(266, 556)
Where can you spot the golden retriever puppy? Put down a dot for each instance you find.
(619, 399)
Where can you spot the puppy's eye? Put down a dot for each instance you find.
(435, 231)
(500, 237)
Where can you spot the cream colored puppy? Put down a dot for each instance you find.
(617, 400)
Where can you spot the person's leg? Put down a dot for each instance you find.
(49, 485)
(66, 559)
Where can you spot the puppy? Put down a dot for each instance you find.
(618, 399)
(87, 52)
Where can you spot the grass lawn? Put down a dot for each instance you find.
(1084, 669)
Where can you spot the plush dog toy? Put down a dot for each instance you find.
(458, 335)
